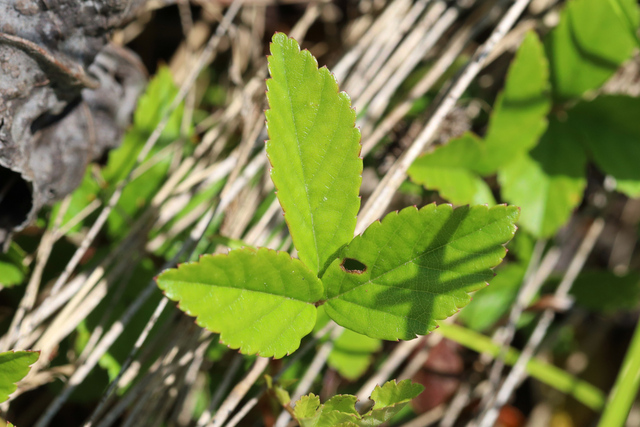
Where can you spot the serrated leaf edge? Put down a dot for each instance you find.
(359, 155)
(379, 223)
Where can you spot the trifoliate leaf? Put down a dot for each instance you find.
(314, 152)
(548, 182)
(610, 131)
(14, 366)
(260, 301)
(592, 39)
(416, 267)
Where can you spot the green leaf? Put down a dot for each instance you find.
(343, 403)
(280, 393)
(610, 131)
(14, 366)
(86, 193)
(392, 393)
(310, 413)
(450, 170)
(548, 182)
(390, 399)
(418, 266)
(260, 301)
(314, 152)
(522, 247)
(519, 114)
(306, 407)
(490, 304)
(518, 120)
(352, 354)
(12, 268)
(137, 195)
(152, 107)
(592, 39)
(603, 291)
(340, 410)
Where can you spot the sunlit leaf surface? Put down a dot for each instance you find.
(314, 152)
(259, 301)
(417, 267)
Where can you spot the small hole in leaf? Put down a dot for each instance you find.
(350, 265)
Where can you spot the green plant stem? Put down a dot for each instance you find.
(625, 389)
(582, 391)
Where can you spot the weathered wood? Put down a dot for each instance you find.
(66, 96)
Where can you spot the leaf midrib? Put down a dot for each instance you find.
(304, 178)
(170, 282)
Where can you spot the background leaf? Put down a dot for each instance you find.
(420, 267)
(152, 107)
(518, 120)
(314, 152)
(519, 114)
(603, 291)
(14, 366)
(86, 193)
(610, 131)
(593, 38)
(352, 354)
(259, 301)
(548, 182)
(12, 268)
(450, 170)
(490, 304)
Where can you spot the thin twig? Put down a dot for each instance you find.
(395, 359)
(476, 22)
(221, 388)
(381, 197)
(311, 373)
(205, 57)
(537, 275)
(239, 391)
(31, 291)
(518, 370)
